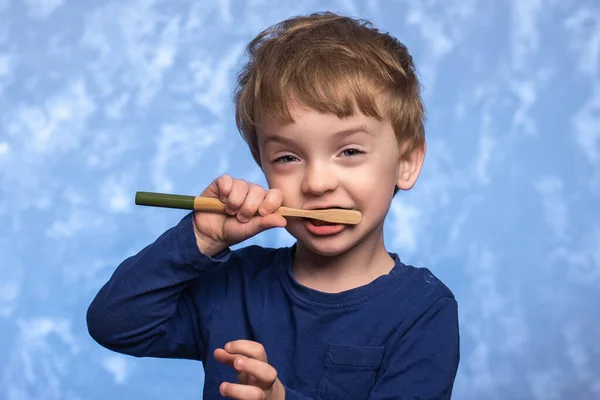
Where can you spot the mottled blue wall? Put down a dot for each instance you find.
(99, 99)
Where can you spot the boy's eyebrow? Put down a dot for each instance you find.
(352, 131)
(339, 134)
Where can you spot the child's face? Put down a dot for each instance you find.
(322, 161)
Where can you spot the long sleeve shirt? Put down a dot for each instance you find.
(394, 338)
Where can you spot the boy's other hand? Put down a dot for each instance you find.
(256, 378)
(249, 210)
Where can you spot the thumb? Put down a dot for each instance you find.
(260, 224)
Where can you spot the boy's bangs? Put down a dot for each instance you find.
(339, 91)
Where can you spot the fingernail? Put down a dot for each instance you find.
(228, 346)
(239, 362)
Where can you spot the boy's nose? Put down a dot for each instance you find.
(319, 179)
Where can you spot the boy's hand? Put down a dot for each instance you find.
(256, 378)
(243, 200)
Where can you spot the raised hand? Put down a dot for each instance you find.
(256, 378)
(250, 211)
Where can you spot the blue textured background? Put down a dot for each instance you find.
(99, 99)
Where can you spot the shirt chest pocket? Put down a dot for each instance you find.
(349, 371)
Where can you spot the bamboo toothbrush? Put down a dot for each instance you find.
(210, 204)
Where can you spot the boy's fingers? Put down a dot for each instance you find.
(271, 202)
(220, 187)
(224, 357)
(255, 196)
(224, 185)
(264, 374)
(273, 221)
(260, 224)
(227, 359)
(236, 198)
(247, 348)
(241, 392)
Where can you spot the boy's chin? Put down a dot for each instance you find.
(324, 251)
(325, 247)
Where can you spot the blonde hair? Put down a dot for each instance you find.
(332, 64)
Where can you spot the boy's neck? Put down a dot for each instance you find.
(358, 266)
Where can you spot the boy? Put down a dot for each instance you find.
(332, 113)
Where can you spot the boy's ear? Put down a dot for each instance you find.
(410, 167)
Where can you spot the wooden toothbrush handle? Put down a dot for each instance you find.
(211, 204)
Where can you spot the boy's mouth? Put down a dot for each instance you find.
(322, 227)
(331, 208)
(318, 222)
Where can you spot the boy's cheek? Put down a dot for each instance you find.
(288, 187)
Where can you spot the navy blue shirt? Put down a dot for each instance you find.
(394, 338)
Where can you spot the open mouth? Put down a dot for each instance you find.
(318, 222)
(333, 208)
(324, 229)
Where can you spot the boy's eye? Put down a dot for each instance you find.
(285, 159)
(351, 152)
